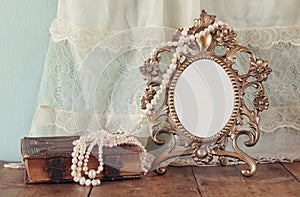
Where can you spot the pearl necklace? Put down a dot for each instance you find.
(181, 47)
(85, 144)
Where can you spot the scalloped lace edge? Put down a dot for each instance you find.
(47, 116)
(264, 37)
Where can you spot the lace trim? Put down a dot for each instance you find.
(71, 123)
(280, 117)
(265, 37)
(76, 122)
(82, 39)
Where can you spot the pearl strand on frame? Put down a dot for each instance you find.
(180, 47)
(82, 151)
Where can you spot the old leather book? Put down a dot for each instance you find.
(48, 159)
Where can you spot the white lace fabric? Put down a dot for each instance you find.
(91, 79)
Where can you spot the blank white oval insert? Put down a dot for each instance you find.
(204, 98)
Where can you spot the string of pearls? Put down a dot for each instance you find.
(84, 146)
(181, 47)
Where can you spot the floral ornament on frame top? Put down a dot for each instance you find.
(190, 44)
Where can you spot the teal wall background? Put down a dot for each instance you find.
(24, 41)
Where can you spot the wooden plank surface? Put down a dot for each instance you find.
(12, 184)
(268, 173)
(269, 180)
(179, 181)
(293, 168)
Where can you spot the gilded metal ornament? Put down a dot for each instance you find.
(188, 45)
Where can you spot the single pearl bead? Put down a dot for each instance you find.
(88, 182)
(216, 25)
(73, 154)
(94, 183)
(206, 31)
(73, 173)
(173, 66)
(82, 181)
(79, 163)
(169, 43)
(211, 28)
(220, 23)
(92, 174)
(153, 102)
(180, 43)
(159, 92)
(162, 87)
(149, 106)
(184, 33)
(82, 152)
(175, 44)
(169, 71)
(98, 181)
(74, 160)
(163, 44)
(178, 49)
(145, 111)
(187, 40)
(185, 50)
(81, 157)
(164, 82)
(76, 179)
(197, 35)
(73, 167)
(100, 168)
(85, 168)
(192, 38)
(201, 33)
(166, 76)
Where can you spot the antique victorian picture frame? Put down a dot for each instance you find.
(215, 42)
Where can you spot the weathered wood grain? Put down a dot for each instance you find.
(219, 174)
(249, 189)
(293, 168)
(12, 184)
(268, 173)
(269, 180)
(179, 181)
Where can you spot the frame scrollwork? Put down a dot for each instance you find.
(188, 45)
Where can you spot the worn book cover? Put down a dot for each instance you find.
(48, 159)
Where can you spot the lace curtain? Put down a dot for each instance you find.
(91, 76)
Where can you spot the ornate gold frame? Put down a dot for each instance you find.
(203, 39)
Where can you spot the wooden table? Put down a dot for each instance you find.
(279, 179)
